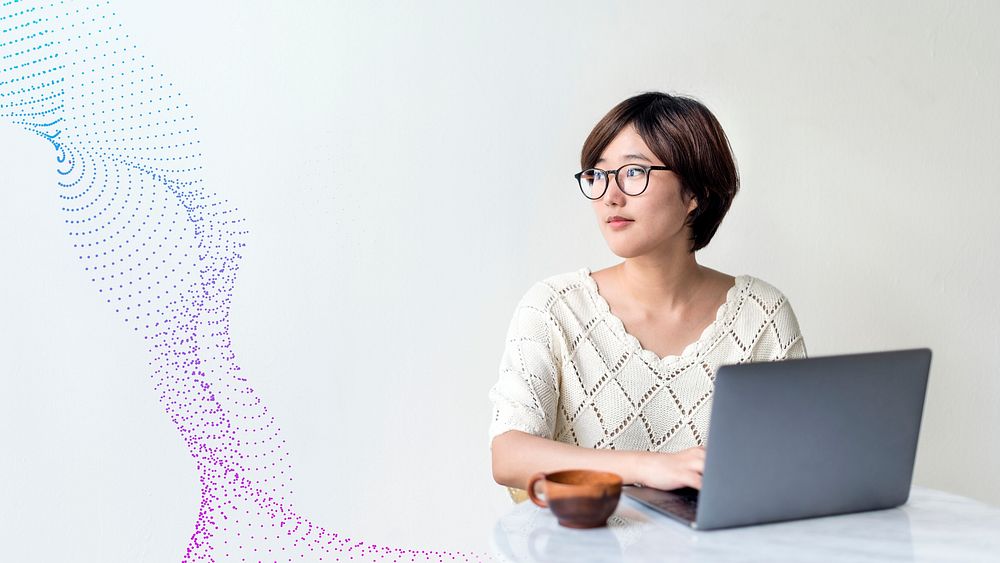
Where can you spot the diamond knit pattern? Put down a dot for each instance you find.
(570, 371)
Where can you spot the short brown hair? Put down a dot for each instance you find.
(683, 134)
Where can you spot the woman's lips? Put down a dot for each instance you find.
(618, 223)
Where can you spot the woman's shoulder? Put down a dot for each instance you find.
(567, 280)
(760, 288)
(770, 300)
(545, 292)
(774, 307)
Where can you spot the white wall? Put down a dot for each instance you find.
(406, 173)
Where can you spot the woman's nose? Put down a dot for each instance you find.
(613, 195)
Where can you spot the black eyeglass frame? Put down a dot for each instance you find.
(607, 179)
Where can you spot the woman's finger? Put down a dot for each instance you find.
(697, 479)
(698, 466)
(694, 481)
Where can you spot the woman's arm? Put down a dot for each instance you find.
(517, 456)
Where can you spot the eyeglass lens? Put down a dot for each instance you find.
(631, 179)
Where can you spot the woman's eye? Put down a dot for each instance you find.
(634, 171)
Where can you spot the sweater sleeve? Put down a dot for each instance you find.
(792, 344)
(526, 395)
(779, 337)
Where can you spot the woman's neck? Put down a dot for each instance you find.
(655, 283)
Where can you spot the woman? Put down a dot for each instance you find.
(613, 370)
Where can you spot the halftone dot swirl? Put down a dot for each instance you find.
(163, 250)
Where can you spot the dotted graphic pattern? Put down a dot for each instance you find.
(163, 250)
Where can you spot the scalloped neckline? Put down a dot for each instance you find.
(618, 325)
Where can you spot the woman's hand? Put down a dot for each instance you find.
(517, 456)
(671, 471)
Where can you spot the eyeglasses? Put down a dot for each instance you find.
(632, 179)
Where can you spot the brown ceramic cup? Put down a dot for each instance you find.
(580, 498)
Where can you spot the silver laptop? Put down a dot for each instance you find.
(804, 438)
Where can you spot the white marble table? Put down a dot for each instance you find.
(932, 526)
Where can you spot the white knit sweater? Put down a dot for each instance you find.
(571, 373)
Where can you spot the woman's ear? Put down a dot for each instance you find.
(692, 204)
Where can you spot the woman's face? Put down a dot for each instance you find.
(651, 222)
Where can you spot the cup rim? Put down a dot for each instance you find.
(607, 478)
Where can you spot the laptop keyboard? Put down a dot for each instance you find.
(682, 503)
